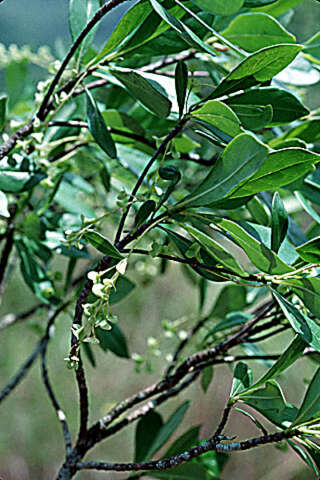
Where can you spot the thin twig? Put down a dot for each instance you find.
(188, 455)
(60, 414)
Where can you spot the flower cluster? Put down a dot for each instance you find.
(98, 312)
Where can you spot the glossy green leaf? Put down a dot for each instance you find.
(279, 7)
(213, 462)
(258, 67)
(146, 429)
(183, 245)
(310, 408)
(260, 255)
(309, 131)
(257, 3)
(310, 251)
(98, 127)
(206, 378)
(258, 211)
(286, 107)
(4, 212)
(286, 359)
(238, 162)
(185, 32)
(253, 31)
(219, 115)
(305, 456)
(280, 168)
(270, 402)
(127, 27)
(34, 274)
(219, 253)
(220, 7)
(102, 244)
(80, 12)
(167, 430)
(233, 319)
(144, 212)
(89, 353)
(312, 48)
(181, 84)
(279, 222)
(113, 340)
(184, 442)
(3, 110)
(231, 295)
(150, 93)
(242, 379)
(253, 117)
(123, 288)
(308, 289)
(307, 328)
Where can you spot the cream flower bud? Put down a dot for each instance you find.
(122, 266)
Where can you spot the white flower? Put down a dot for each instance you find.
(92, 275)
(122, 266)
(98, 290)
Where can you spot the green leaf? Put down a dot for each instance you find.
(307, 328)
(253, 31)
(123, 288)
(184, 442)
(257, 3)
(3, 110)
(279, 7)
(144, 212)
(146, 429)
(312, 48)
(206, 378)
(113, 340)
(253, 117)
(149, 92)
(220, 7)
(286, 107)
(220, 116)
(89, 353)
(310, 408)
(280, 168)
(183, 245)
(213, 462)
(310, 251)
(305, 456)
(308, 289)
(181, 84)
(258, 67)
(126, 28)
(279, 222)
(233, 296)
(185, 32)
(232, 319)
(102, 244)
(219, 253)
(167, 430)
(242, 379)
(270, 402)
(4, 212)
(260, 255)
(80, 12)
(34, 274)
(239, 161)
(308, 131)
(286, 359)
(188, 471)
(98, 127)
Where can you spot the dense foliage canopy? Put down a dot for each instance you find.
(186, 138)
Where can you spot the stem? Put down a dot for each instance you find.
(159, 151)
(106, 8)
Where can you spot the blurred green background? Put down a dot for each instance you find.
(31, 446)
